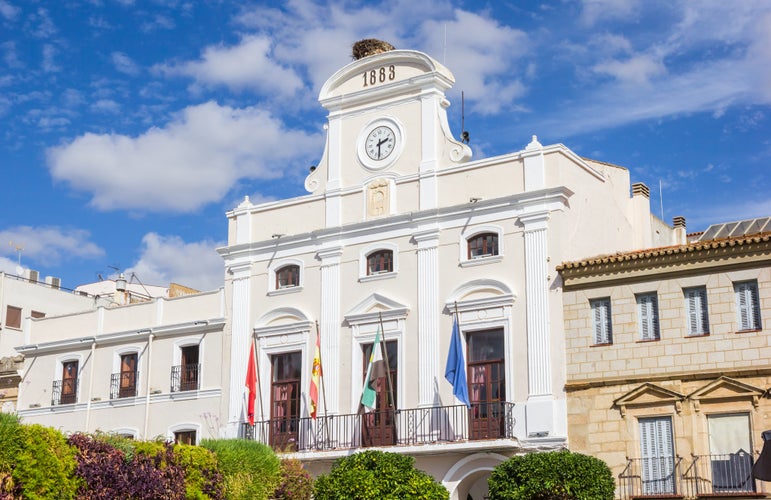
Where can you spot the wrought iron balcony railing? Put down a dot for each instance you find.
(702, 476)
(185, 378)
(123, 384)
(64, 392)
(413, 426)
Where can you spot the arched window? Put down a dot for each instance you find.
(380, 261)
(288, 276)
(482, 245)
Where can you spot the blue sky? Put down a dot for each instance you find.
(128, 128)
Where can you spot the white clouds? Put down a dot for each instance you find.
(192, 161)
(49, 245)
(248, 65)
(595, 11)
(49, 59)
(124, 64)
(483, 55)
(637, 70)
(169, 259)
(105, 106)
(8, 11)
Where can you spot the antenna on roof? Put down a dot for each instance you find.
(661, 200)
(17, 249)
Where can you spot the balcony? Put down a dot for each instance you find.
(701, 477)
(123, 384)
(403, 427)
(64, 392)
(185, 378)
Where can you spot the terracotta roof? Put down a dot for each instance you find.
(669, 250)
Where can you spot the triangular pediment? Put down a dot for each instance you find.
(649, 394)
(375, 306)
(725, 389)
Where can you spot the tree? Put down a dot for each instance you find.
(251, 470)
(560, 475)
(377, 475)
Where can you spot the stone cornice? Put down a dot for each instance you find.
(693, 258)
(582, 385)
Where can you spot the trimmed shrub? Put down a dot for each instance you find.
(560, 475)
(377, 475)
(296, 483)
(45, 465)
(203, 479)
(251, 470)
(10, 446)
(103, 468)
(155, 473)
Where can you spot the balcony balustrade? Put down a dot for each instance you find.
(185, 378)
(64, 392)
(703, 476)
(402, 427)
(123, 384)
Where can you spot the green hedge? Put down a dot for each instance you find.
(377, 475)
(558, 475)
(251, 470)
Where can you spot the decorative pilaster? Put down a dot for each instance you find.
(329, 323)
(428, 313)
(540, 412)
(537, 303)
(239, 353)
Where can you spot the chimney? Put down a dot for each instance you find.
(640, 189)
(678, 222)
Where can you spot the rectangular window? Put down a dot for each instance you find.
(657, 456)
(184, 437)
(603, 331)
(648, 316)
(730, 449)
(747, 305)
(696, 307)
(13, 317)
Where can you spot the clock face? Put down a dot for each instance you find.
(380, 143)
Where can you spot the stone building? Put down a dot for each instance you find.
(667, 361)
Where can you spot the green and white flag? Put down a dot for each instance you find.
(375, 370)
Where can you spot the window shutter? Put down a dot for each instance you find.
(748, 305)
(602, 325)
(696, 303)
(648, 316)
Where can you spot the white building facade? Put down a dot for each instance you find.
(145, 370)
(401, 231)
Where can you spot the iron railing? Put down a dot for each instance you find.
(123, 384)
(651, 477)
(413, 426)
(64, 392)
(185, 378)
(700, 477)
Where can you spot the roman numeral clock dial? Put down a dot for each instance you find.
(380, 143)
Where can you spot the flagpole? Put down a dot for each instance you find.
(259, 382)
(321, 374)
(384, 353)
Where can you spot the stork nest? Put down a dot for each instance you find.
(370, 47)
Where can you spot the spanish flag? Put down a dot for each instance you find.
(315, 378)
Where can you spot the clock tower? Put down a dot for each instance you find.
(387, 127)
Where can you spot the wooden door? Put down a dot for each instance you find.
(69, 392)
(285, 400)
(487, 384)
(379, 425)
(189, 370)
(128, 376)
